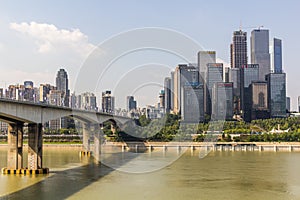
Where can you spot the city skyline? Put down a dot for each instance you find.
(40, 54)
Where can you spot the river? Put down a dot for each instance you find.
(219, 175)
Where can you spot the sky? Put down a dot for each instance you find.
(38, 38)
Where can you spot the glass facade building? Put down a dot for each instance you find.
(214, 75)
(249, 73)
(277, 94)
(260, 51)
(276, 53)
(222, 101)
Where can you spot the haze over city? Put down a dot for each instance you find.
(37, 39)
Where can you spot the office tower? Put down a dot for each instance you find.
(260, 51)
(131, 103)
(183, 75)
(222, 98)
(108, 102)
(238, 49)
(288, 104)
(277, 94)
(168, 96)
(214, 75)
(162, 99)
(276, 56)
(192, 103)
(235, 78)
(259, 98)
(205, 57)
(62, 84)
(172, 91)
(249, 73)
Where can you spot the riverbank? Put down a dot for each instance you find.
(208, 146)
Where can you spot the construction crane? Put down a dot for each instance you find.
(258, 27)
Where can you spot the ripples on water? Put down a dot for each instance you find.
(220, 175)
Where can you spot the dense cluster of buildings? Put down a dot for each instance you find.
(248, 91)
(197, 91)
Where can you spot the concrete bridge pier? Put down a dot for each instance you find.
(86, 141)
(15, 150)
(35, 146)
(15, 146)
(97, 143)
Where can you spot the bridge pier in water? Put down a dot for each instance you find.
(35, 146)
(15, 150)
(15, 146)
(86, 140)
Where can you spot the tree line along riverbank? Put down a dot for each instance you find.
(171, 128)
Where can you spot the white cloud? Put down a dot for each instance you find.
(49, 38)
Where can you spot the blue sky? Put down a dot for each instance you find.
(28, 54)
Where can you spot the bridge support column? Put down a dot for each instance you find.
(97, 143)
(86, 141)
(15, 146)
(35, 146)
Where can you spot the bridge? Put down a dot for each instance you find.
(18, 113)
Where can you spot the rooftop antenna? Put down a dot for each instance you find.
(241, 25)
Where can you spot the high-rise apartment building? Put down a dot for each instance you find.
(108, 102)
(238, 49)
(260, 51)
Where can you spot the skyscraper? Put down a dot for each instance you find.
(167, 89)
(62, 84)
(214, 75)
(249, 73)
(205, 57)
(277, 94)
(238, 49)
(259, 98)
(235, 78)
(222, 98)
(192, 103)
(276, 56)
(184, 75)
(131, 103)
(260, 51)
